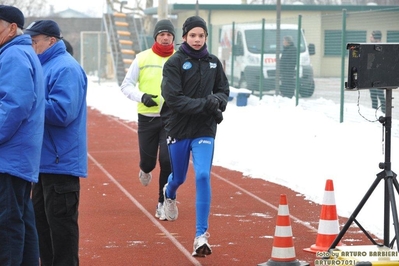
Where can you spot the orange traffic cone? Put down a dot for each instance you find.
(283, 250)
(328, 223)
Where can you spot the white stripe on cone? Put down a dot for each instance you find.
(283, 210)
(328, 227)
(329, 198)
(284, 253)
(283, 231)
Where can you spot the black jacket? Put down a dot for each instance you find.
(288, 61)
(185, 84)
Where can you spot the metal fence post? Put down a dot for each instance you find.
(343, 52)
(232, 54)
(262, 51)
(298, 59)
(278, 45)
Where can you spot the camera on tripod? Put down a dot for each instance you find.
(373, 66)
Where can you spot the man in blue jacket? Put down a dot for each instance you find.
(64, 152)
(21, 135)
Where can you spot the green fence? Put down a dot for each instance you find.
(248, 51)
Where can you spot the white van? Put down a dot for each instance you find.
(247, 56)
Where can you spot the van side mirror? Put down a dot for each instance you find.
(312, 49)
(238, 50)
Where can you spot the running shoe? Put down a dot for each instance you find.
(201, 246)
(160, 212)
(170, 207)
(145, 178)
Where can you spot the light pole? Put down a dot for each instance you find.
(162, 9)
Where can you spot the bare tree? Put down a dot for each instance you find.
(29, 8)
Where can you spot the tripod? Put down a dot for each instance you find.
(390, 181)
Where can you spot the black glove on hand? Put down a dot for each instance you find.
(147, 100)
(222, 103)
(218, 115)
(211, 104)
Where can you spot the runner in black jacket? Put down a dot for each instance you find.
(195, 89)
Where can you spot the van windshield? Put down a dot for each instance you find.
(254, 40)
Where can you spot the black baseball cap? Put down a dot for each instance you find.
(45, 27)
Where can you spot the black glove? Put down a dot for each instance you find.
(218, 115)
(211, 104)
(147, 100)
(222, 103)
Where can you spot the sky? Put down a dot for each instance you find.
(299, 147)
(78, 5)
(97, 9)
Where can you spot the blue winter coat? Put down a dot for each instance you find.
(64, 148)
(21, 109)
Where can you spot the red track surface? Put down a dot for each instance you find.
(118, 227)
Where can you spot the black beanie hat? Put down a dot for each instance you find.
(162, 26)
(376, 34)
(12, 15)
(193, 22)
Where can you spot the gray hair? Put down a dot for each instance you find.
(6, 24)
(289, 39)
(20, 31)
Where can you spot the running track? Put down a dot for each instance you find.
(118, 227)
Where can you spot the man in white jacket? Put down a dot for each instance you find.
(143, 85)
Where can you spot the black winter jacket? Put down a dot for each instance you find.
(288, 61)
(186, 83)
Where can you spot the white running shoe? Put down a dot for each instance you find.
(201, 246)
(160, 212)
(170, 208)
(145, 178)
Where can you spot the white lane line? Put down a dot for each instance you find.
(123, 124)
(296, 219)
(153, 220)
(306, 224)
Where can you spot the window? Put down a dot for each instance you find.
(332, 40)
(392, 36)
(254, 40)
